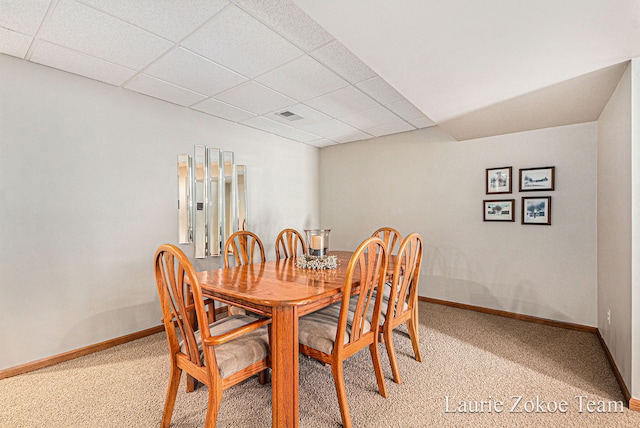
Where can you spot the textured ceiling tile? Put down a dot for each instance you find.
(404, 109)
(191, 71)
(168, 18)
(255, 98)
(15, 44)
(302, 79)
(165, 91)
(352, 136)
(323, 142)
(289, 20)
(380, 90)
(342, 102)
(330, 128)
(370, 118)
(309, 116)
(341, 60)
(87, 30)
(23, 16)
(279, 129)
(237, 41)
(421, 122)
(223, 110)
(78, 63)
(390, 128)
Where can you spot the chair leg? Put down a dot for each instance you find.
(191, 383)
(338, 380)
(264, 377)
(172, 393)
(213, 405)
(377, 366)
(388, 341)
(412, 324)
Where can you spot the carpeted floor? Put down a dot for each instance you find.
(468, 358)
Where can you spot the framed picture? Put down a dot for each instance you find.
(536, 210)
(498, 180)
(499, 210)
(537, 179)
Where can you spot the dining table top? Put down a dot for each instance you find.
(276, 282)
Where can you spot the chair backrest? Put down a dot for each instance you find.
(242, 245)
(368, 266)
(390, 237)
(288, 242)
(406, 274)
(183, 310)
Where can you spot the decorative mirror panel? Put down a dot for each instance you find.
(212, 199)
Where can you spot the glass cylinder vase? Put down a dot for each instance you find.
(317, 245)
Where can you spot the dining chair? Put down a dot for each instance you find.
(391, 238)
(218, 355)
(333, 334)
(242, 246)
(287, 244)
(401, 305)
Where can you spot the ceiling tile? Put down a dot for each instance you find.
(342, 102)
(163, 90)
(223, 110)
(78, 63)
(242, 43)
(253, 97)
(370, 118)
(167, 18)
(309, 116)
(330, 128)
(268, 125)
(421, 122)
(194, 72)
(380, 90)
(390, 128)
(404, 109)
(323, 142)
(350, 137)
(87, 30)
(341, 60)
(289, 20)
(15, 44)
(302, 79)
(23, 16)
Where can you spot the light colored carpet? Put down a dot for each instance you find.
(467, 356)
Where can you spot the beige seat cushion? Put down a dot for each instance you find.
(318, 329)
(239, 353)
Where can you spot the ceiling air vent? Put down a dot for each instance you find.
(289, 115)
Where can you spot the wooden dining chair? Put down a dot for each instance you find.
(287, 244)
(242, 246)
(391, 238)
(401, 306)
(220, 354)
(333, 334)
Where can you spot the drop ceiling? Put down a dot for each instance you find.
(336, 71)
(245, 61)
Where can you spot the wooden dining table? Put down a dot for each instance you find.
(280, 290)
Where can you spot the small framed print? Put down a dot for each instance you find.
(498, 180)
(536, 210)
(537, 179)
(499, 210)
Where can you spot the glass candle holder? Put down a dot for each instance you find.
(317, 242)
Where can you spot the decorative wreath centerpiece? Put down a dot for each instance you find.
(317, 263)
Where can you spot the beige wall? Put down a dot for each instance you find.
(88, 191)
(424, 181)
(614, 226)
